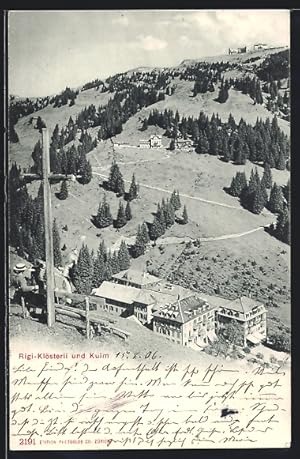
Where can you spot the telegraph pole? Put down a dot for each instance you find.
(48, 223)
(46, 179)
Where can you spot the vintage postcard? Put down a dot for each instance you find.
(149, 236)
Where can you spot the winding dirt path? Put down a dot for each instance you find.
(196, 198)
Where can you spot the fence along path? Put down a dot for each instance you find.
(94, 320)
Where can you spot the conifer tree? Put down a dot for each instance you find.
(175, 200)
(123, 256)
(169, 213)
(56, 245)
(223, 94)
(140, 244)
(121, 219)
(63, 190)
(108, 268)
(248, 193)
(282, 229)
(225, 149)
(267, 176)
(239, 182)
(115, 267)
(85, 170)
(280, 163)
(128, 213)
(133, 189)
(185, 217)
(115, 180)
(103, 217)
(83, 271)
(275, 203)
(258, 200)
(99, 267)
(37, 158)
(286, 192)
(145, 233)
(156, 230)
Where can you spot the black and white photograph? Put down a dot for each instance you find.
(149, 229)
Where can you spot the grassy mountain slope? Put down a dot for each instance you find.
(196, 176)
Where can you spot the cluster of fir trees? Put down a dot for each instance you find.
(253, 195)
(64, 97)
(165, 216)
(94, 84)
(141, 241)
(22, 107)
(66, 161)
(104, 218)
(117, 111)
(276, 102)
(154, 80)
(263, 142)
(251, 86)
(116, 184)
(92, 269)
(211, 72)
(26, 220)
(275, 67)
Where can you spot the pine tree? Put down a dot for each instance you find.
(155, 230)
(115, 267)
(63, 190)
(85, 170)
(121, 219)
(145, 234)
(161, 219)
(140, 245)
(175, 200)
(83, 271)
(286, 192)
(99, 268)
(169, 213)
(225, 149)
(267, 176)
(37, 155)
(223, 94)
(185, 217)
(275, 203)
(56, 245)
(128, 213)
(108, 268)
(280, 163)
(239, 182)
(133, 189)
(103, 217)
(115, 180)
(258, 200)
(282, 229)
(123, 256)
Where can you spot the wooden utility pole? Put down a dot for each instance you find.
(48, 230)
(46, 178)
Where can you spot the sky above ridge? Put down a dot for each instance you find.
(49, 50)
